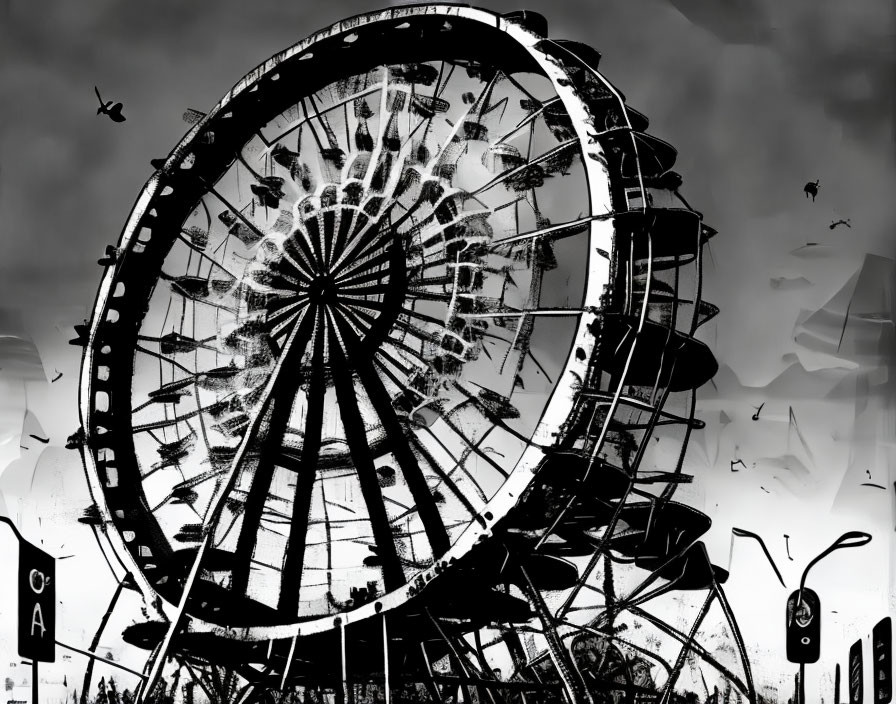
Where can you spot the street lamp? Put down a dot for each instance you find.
(804, 612)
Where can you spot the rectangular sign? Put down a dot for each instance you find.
(855, 673)
(37, 603)
(882, 661)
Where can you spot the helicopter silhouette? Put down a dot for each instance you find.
(114, 112)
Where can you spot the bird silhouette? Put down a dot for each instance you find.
(840, 222)
(811, 189)
(107, 108)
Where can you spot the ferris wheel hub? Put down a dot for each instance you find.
(323, 291)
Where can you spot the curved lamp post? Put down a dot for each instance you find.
(804, 612)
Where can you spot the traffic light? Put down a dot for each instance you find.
(803, 626)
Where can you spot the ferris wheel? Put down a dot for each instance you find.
(392, 373)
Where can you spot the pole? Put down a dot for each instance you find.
(33, 681)
(837, 684)
(386, 661)
(342, 655)
(94, 644)
(802, 690)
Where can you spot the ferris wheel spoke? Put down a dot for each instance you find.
(348, 99)
(444, 477)
(314, 235)
(561, 230)
(378, 143)
(378, 306)
(401, 450)
(291, 574)
(363, 278)
(281, 398)
(477, 104)
(357, 221)
(310, 122)
(429, 296)
(361, 247)
(521, 169)
(494, 418)
(297, 251)
(414, 331)
(550, 312)
(474, 447)
(458, 464)
(187, 240)
(237, 213)
(321, 118)
(417, 315)
(360, 291)
(361, 321)
(406, 370)
(526, 120)
(356, 435)
(356, 266)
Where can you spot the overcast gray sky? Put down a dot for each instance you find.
(759, 96)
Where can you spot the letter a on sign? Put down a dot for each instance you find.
(37, 604)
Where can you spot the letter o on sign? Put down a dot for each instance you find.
(39, 581)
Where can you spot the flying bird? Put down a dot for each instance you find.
(811, 189)
(107, 108)
(841, 222)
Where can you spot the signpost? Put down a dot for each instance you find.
(37, 605)
(882, 661)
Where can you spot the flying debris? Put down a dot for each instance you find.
(57, 377)
(787, 545)
(191, 116)
(46, 440)
(107, 108)
(758, 411)
(734, 463)
(811, 189)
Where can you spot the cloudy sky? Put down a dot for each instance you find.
(759, 98)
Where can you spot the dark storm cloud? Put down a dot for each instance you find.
(841, 55)
(752, 121)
